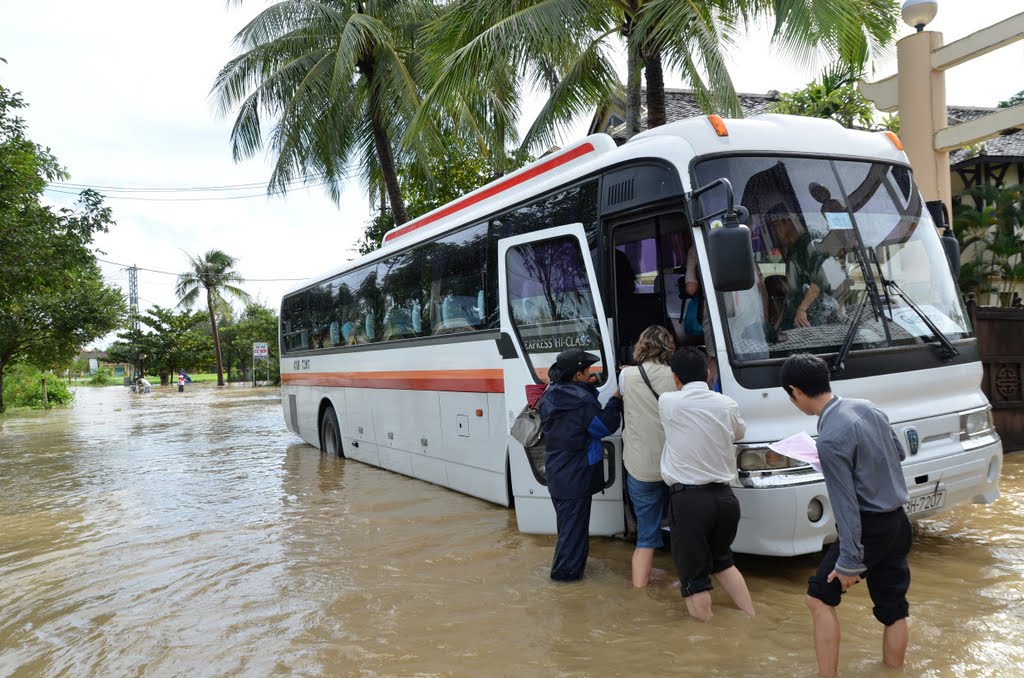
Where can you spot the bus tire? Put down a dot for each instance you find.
(330, 434)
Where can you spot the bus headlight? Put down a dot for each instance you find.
(751, 459)
(761, 458)
(977, 427)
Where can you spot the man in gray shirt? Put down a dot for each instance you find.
(860, 458)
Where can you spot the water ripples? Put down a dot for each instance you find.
(192, 534)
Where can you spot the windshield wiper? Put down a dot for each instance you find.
(948, 350)
(870, 294)
(839, 364)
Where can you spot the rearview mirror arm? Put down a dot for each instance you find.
(730, 211)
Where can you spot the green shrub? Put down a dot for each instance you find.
(100, 377)
(23, 388)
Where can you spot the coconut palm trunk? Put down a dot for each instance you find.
(633, 73)
(655, 76)
(382, 145)
(216, 337)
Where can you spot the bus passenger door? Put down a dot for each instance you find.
(549, 301)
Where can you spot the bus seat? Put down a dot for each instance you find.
(399, 325)
(454, 309)
(459, 314)
(335, 334)
(417, 318)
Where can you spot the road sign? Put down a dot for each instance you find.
(260, 349)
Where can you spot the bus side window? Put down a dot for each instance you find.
(457, 276)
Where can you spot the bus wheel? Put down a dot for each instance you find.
(330, 434)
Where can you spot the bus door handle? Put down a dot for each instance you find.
(355, 443)
(609, 449)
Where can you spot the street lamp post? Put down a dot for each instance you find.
(919, 13)
(922, 101)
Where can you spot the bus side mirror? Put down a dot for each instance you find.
(950, 245)
(730, 248)
(731, 254)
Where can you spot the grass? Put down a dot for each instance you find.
(154, 379)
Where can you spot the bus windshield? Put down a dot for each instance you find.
(827, 235)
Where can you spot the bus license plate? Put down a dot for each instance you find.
(925, 502)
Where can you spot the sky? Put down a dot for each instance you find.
(120, 92)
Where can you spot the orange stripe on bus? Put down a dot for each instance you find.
(474, 381)
(494, 190)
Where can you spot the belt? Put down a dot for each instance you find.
(682, 487)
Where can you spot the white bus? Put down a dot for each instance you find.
(415, 358)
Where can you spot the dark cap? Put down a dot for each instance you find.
(574, 360)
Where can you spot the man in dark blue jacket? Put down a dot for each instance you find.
(574, 424)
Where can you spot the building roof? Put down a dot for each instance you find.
(679, 105)
(682, 103)
(1007, 147)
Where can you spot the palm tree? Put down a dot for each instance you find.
(212, 273)
(849, 33)
(573, 65)
(335, 77)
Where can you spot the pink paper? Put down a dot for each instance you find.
(800, 447)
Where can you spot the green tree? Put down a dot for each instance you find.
(462, 168)
(563, 48)
(258, 323)
(175, 341)
(132, 347)
(53, 299)
(992, 239)
(336, 79)
(212, 275)
(834, 96)
(1016, 100)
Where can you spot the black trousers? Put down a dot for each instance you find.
(572, 519)
(886, 538)
(703, 520)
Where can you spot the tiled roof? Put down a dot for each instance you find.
(1009, 146)
(682, 103)
(959, 114)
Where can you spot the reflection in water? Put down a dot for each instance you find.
(192, 534)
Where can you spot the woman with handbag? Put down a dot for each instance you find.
(643, 440)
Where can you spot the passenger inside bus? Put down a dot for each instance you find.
(808, 299)
(656, 281)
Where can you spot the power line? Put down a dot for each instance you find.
(177, 189)
(152, 199)
(153, 270)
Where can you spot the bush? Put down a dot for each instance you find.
(23, 388)
(100, 377)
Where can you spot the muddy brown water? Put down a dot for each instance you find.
(192, 534)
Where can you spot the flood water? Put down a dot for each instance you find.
(192, 534)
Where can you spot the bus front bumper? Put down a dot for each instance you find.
(777, 517)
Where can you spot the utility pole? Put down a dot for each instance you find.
(133, 315)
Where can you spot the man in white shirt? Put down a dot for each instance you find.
(698, 463)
